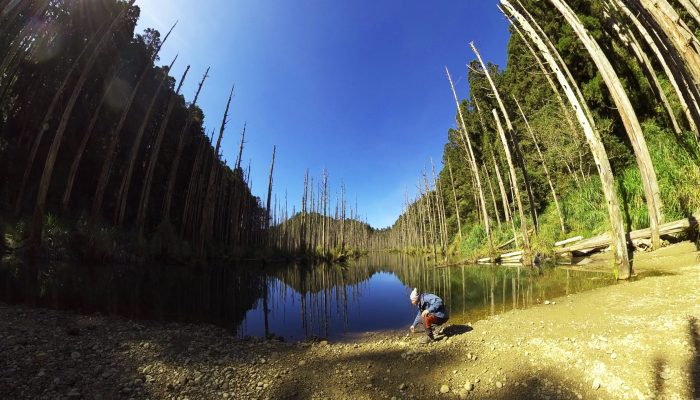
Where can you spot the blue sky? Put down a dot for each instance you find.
(357, 87)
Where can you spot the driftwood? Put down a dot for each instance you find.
(603, 241)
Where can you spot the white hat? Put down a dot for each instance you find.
(414, 294)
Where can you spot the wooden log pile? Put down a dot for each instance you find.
(589, 245)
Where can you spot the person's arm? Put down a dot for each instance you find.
(417, 320)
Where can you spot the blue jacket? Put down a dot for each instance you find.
(432, 303)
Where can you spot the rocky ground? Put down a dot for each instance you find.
(636, 340)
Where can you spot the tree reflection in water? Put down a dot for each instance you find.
(295, 301)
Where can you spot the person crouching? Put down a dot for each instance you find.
(431, 312)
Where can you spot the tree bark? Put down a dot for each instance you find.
(629, 119)
(514, 138)
(600, 156)
(178, 152)
(148, 181)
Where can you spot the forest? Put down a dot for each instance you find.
(591, 127)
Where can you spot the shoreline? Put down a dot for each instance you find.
(633, 340)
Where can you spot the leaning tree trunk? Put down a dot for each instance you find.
(544, 166)
(36, 229)
(73, 172)
(148, 181)
(474, 168)
(44, 125)
(206, 223)
(648, 69)
(106, 169)
(514, 138)
(269, 192)
(493, 196)
(123, 193)
(629, 119)
(684, 92)
(178, 152)
(618, 240)
(454, 195)
(514, 180)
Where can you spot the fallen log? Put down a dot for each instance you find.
(567, 241)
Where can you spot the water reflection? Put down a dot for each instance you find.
(296, 301)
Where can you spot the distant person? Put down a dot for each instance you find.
(431, 312)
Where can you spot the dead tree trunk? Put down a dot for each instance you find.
(39, 209)
(544, 166)
(454, 195)
(493, 196)
(629, 119)
(269, 191)
(593, 137)
(206, 224)
(514, 180)
(475, 169)
(148, 181)
(180, 147)
(123, 193)
(106, 169)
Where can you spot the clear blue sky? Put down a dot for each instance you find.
(357, 87)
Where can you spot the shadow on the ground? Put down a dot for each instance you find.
(454, 330)
(694, 333)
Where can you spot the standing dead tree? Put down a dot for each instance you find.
(629, 119)
(514, 138)
(592, 136)
(473, 166)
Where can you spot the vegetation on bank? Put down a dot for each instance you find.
(555, 172)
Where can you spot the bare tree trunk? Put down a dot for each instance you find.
(514, 180)
(493, 196)
(269, 190)
(629, 119)
(178, 152)
(106, 169)
(600, 156)
(39, 209)
(475, 169)
(516, 147)
(123, 193)
(631, 42)
(206, 224)
(685, 95)
(544, 166)
(44, 126)
(73, 173)
(148, 181)
(454, 195)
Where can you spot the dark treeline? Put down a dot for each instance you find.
(591, 128)
(97, 140)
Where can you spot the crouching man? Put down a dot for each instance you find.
(431, 313)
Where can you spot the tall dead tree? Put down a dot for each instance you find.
(544, 166)
(180, 147)
(629, 119)
(514, 180)
(206, 223)
(600, 156)
(110, 154)
(473, 166)
(155, 152)
(454, 196)
(125, 186)
(37, 225)
(269, 189)
(513, 137)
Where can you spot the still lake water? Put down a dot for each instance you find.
(296, 301)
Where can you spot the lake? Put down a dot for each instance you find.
(295, 301)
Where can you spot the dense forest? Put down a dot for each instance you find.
(591, 127)
(103, 158)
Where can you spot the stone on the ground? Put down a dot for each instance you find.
(444, 389)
